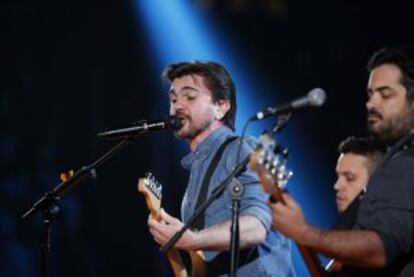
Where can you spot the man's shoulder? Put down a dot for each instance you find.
(391, 184)
(401, 161)
(239, 148)
(247, 143)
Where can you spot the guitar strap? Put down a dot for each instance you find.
(202, 196)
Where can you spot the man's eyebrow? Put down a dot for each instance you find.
(383, 88)
(189, 88)
(380, 89)
(173, 92)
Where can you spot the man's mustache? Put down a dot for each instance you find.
(181, 115)
(374, 113)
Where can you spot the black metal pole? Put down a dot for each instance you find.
(50, 214)
(236, 190)
(46, 249)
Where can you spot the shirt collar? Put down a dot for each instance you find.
(207, 146)
(403, 143)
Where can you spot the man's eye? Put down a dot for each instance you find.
(349, 177)
(386, 94)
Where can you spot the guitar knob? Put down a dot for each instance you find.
(276, 161)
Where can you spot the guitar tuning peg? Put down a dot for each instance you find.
(267, 140)
(267, 164)
(276, 161)
(261, 157)
(281, 173)
(289, 174)
(285, 153)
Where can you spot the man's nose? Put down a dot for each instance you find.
(176, 108)
(369, 105)
(372, 102)
(337, 185)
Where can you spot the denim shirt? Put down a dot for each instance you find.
(273, 256)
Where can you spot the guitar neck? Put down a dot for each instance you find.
(309, 256)
(152, 194)
(273, 176)
(312, 261)
(176, 263)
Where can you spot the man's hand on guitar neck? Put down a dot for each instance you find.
(169, 225)
(288, 218)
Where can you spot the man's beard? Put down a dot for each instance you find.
(392, 129)
(192, 130)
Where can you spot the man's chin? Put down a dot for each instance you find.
(340, 206)
(185, 133)
(180, 134)
(374, 129)
(340, 209)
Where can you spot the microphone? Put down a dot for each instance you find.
(315, 98)
(172, 123)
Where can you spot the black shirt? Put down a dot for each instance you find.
(388, 209)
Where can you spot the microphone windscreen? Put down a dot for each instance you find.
(317, 97)
(174, 123)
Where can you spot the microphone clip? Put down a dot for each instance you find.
(282, 120)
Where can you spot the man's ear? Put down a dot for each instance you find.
(222, 107)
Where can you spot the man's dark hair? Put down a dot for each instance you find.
(216, 78)
(403, 58)
(369, 147)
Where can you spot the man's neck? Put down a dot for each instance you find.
(195, 141)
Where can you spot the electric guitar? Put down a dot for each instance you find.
(274, 176)
(152, 191)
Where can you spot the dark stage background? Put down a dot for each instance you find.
(70, 69)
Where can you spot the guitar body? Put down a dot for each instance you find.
(197, 263)
(273, 176)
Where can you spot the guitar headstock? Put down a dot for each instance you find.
(269, 160)
(152, 191)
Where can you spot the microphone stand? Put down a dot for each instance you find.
(237, 190)
(47, 203)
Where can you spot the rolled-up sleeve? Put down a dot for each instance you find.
(254, 199)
